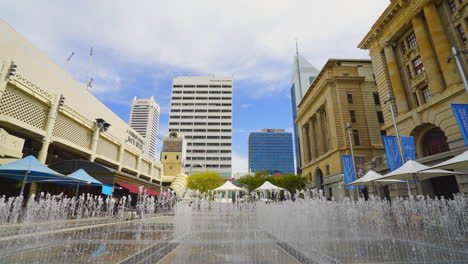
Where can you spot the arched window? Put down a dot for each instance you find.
(177, 157)
(165, 157)
(434, 142)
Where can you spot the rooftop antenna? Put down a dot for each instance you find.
(69, 57)
(90, 82)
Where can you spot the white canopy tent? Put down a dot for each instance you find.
(228, 186)
(268, 186)
(459, 162)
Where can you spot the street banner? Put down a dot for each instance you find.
(461, 114)
(348, 171)
(393, 154)
(106, 189)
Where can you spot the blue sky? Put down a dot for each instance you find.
(140, 47)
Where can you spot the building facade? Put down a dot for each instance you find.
(343, 92)
(45, 113)
(303, 74)
(271, 150)
(410, 45)
(144, 118)
(201, 111)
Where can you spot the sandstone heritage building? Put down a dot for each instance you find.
(410, 45)
(343, 92)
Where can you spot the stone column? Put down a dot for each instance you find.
(94, 142)
(138, 163)
(313, 155)
(441, 45)
(121, 155)
(429, 59)
(319, 134)
(395, 79)
(304, 144)
(49, 127)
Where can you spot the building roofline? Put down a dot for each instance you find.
(327, 65)
(384, 18)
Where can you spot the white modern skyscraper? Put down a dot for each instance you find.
(144, 118)
(303, 74)
(201, 110)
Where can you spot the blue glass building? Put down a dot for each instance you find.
(271, 150)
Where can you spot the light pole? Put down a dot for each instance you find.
(456, 56)
(348, 128)
(390, 100)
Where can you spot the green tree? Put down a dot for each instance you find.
(251, 182)
(291, 182)
(204, 181)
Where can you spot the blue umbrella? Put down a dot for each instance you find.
(84, 178)
(29, 170)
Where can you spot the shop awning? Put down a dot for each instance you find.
(136, 189)
(29, 169)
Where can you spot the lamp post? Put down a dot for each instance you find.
(390, 100)
(456, 56)
(348, 128)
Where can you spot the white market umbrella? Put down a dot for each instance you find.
(459, 162)
(268, 186)
(372, 177)
(413, 170)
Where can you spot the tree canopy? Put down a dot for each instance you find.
(204, 181)
(290, 182)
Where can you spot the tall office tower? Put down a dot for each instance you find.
(201, 110)
(271, 150)
(303, 75)
(144, 118)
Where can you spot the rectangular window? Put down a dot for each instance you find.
(380, 117)
(357, 141)
(412, 40)
(352, 114)
(426, 94)
(418, 65)
(350, 98)
(415, 96)
(376, 98)
(461, 32)
(403, 47)
(452, 5)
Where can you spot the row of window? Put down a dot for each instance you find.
(208, 137)
(352, 116)
(213, 165)
(349, 96)
(199, 104)
(201, 110)
(200, 144)
(201, 98)
(203, 117)
(208, 158)
(453, 5)
(202, 86)
(202, 92)
(199, 130)
(197, 124)
(208, 151)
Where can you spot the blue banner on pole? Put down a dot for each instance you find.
(393, 154)
(107, 189)
(461, 114)
(348, 171)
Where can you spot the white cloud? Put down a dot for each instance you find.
(253, 40)
(239, 163)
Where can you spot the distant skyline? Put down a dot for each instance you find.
(139, 49)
